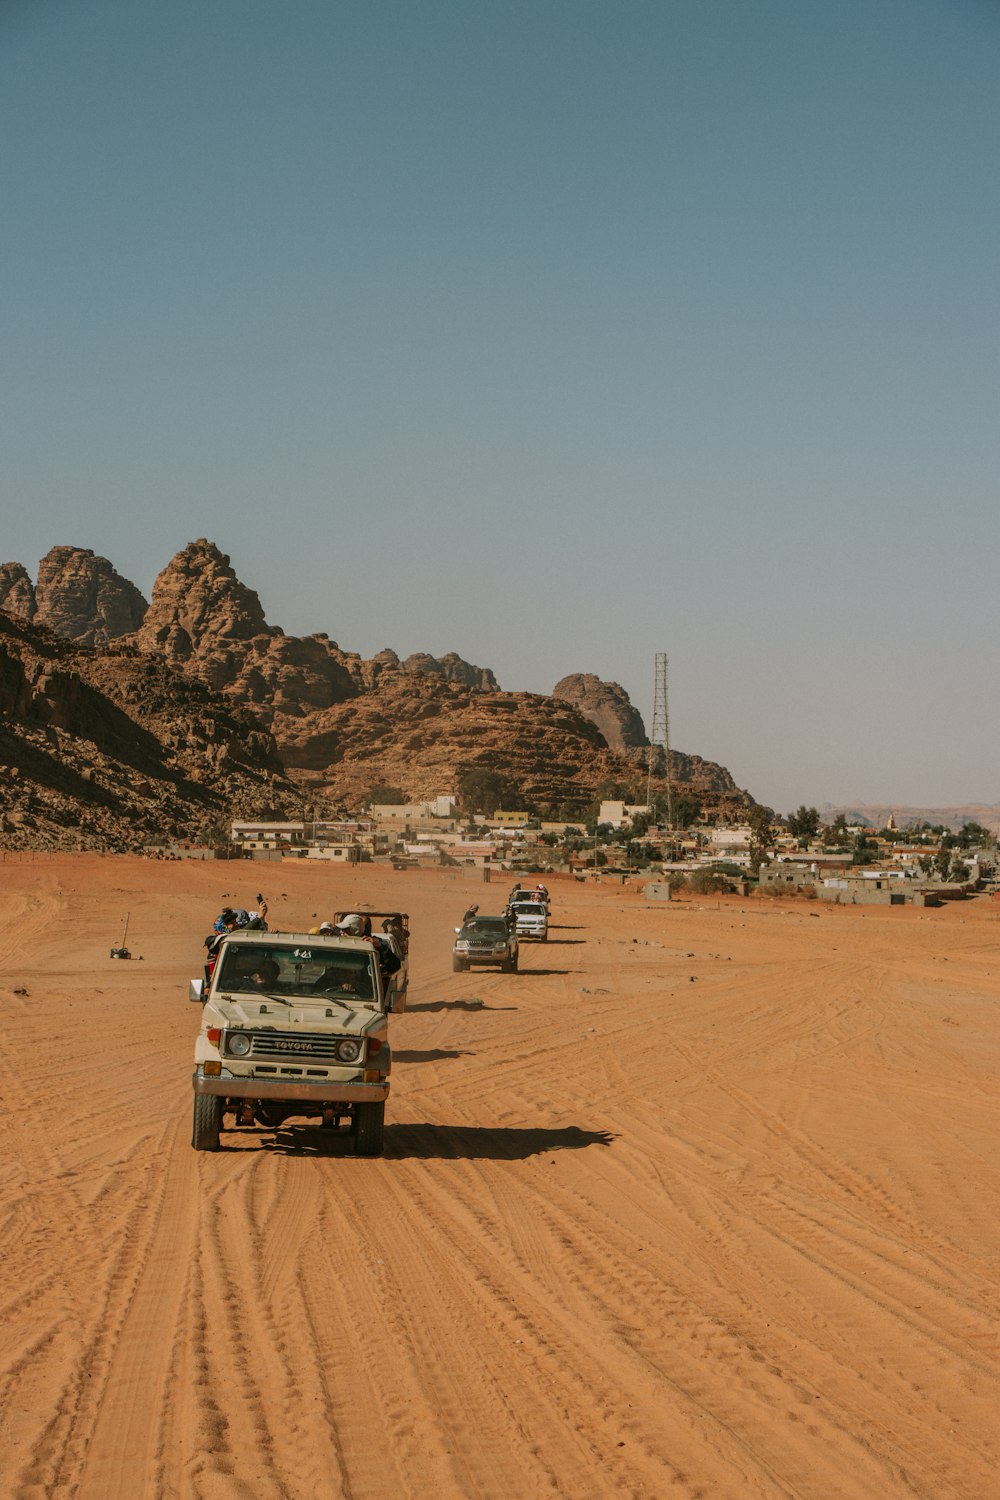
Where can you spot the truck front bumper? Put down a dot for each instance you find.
(326, 1092)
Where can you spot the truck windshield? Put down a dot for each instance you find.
(302, 973)
(491, 927)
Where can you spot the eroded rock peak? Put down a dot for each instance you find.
(79, 595)
(607, 705)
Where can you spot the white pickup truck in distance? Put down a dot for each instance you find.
(294, 1024)
(532, 920)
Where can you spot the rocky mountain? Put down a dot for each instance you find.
(420, 733)
(608, 706)
(453, 669)
(17, 592)
(78, 595)
(202, 617)
(342, 723)
(710, 782)
(114, 749)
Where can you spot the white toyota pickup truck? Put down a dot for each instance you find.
(294, 1024)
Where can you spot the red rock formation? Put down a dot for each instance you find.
(17, 592)
(608, 706)
(113, 749)
(200, 608)
(82, 597)
(453, 669)
(203, 618)
(705, 779)
(420, 733)
(342, 723)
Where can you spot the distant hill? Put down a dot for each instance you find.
(339, 723)
(876, 814)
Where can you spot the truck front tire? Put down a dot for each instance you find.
(207, 1122)
(369, 1128)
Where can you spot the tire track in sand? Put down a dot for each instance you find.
(112, 1390)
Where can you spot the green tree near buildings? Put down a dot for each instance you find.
(565, 812)
(382, 795)
(483, 791)
(706, 882)
(761, 822)
(865, 850)
(836, 835)
(613, 791)
(685, 808)
(943, 858)
(804, 823)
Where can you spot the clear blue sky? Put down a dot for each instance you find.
(553, 332)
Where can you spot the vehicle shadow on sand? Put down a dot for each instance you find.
(433, 1054)
(440, 1142)
(497, 1143)
(458, 1005)
(533, 971)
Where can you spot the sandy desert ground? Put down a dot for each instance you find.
(702, 1203)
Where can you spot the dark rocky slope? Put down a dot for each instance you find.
(114, 749)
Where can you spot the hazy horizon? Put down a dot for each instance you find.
(555, 334)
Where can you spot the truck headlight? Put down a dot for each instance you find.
(348, 1050)
(238, 1044)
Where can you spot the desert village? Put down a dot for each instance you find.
(880, 869)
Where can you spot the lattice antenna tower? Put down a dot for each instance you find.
(659, 738)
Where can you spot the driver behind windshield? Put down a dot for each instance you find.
(253, 970)
(344, 979)
(265, 975)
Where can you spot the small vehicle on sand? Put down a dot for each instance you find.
(485, 940)
(532, 920)
(294, 1024)
(520, 898)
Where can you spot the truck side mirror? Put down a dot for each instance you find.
(196, 990)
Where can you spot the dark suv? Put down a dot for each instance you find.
(485, 940)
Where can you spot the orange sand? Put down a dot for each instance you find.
(712, 1213)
